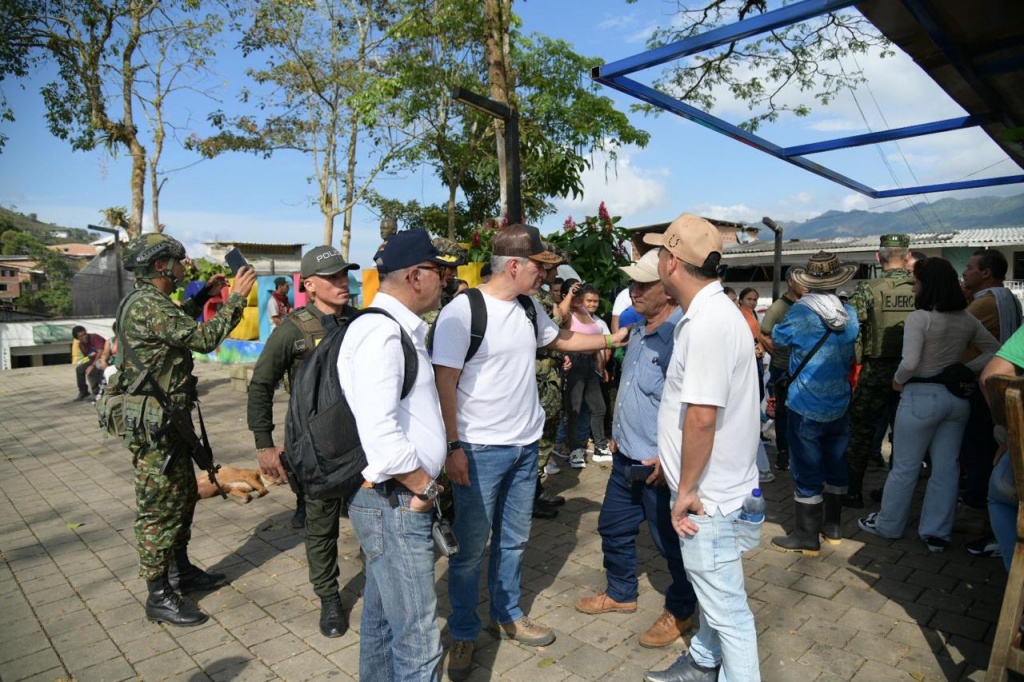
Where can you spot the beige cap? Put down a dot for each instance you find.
(644, 270)
(689, 238)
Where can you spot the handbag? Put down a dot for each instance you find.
(783, 383)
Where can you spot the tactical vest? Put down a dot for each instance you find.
(313, 332)
(892, 300)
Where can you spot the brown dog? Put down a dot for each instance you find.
(243, 485)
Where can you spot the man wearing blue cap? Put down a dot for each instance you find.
(404, 442)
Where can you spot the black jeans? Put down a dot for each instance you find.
(87, 383)
(585, 384)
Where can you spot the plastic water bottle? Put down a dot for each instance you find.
(753, 507)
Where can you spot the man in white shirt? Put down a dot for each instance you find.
(494, 421)
(404, 442)
(708, 427)
(278, 305)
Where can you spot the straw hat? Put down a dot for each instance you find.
(824, 272)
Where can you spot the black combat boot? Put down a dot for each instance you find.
(831, 526)
(183, 576)
(164, 605)
(804, 537)
(332, 621)
(299, 517)
(854, 498)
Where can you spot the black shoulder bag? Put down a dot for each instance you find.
(783, 383)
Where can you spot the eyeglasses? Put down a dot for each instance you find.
(442, 272)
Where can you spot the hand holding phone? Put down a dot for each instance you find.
(639, 473)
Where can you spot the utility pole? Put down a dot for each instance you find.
(777, 267)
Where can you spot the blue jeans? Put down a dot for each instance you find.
(727, 635)
(1002, 507)
(626, 505)
(817, 454)
(400, 636)
(929, 419)
(582, 430)
(498, 501)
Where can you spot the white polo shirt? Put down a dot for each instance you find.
(398, 435)
(713, 364)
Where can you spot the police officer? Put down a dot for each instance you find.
(325, 278)
(882, 306)
(158, 337)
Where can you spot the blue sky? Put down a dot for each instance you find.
(684, 168)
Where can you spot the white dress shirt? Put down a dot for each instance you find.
(398, 435)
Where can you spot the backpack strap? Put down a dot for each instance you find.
(531, 312)
(412, 362)
(477, 321)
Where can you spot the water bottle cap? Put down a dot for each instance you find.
(756, 492)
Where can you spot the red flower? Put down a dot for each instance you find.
(476, 239)
(569, 225)
(603, 215)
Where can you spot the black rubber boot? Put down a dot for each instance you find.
(183, 576)
(854, 498)
(832, 525)
(547, 498)
(164, 605)
(332, 621)
(299, 517)
(804, 537)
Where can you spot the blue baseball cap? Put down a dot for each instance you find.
(408, 248)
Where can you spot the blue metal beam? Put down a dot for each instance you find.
(885, 136)
(614, 75)
(761, 23)
(948, 186)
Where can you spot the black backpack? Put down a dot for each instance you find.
(478, 320)
(321, 439)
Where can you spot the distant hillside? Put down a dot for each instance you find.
(940, 216)
(44, 232)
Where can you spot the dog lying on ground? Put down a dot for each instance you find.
(243, 485)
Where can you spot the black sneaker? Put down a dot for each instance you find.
(782, 460)
(935, 544)
(984, 547)
(854, 500)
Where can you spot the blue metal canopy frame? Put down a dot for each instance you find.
(616, 75)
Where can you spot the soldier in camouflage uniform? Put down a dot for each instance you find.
(163, 338)
(882, 306)
(325, 278)
(549, 388)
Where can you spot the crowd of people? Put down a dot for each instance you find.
(520, 368)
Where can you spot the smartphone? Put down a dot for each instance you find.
(235, 260)
(639, 473)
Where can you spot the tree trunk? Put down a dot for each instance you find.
(496, 13)
(350, 184)
(127, 131)
(452, 187)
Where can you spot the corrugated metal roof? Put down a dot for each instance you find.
(921, 240)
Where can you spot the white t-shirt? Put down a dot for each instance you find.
(622, 301)
(497, 392)
(273, 310)
(712, 365)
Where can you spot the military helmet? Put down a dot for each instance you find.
(148, 248)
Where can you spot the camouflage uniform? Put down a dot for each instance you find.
(163, 336)
(882, 306)
(549, 386)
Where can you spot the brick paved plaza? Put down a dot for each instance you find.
(71, 602)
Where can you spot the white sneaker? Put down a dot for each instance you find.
(601, 455)
(552, 468)
(578, 459)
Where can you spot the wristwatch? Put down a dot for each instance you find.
(430, 492)
(454, 445)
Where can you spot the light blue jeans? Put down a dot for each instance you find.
(727, 635)
(1002, 507)
(929, 419)
(497, 504)
(400, 638)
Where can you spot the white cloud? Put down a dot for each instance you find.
(626, 188)
(856, 202)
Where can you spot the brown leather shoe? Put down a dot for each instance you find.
(524, 631)
(602, 603)
(666, 629)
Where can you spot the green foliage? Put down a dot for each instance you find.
(805, 57)
(597, 248)
(200, 270)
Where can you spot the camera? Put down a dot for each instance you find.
(444, 536)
